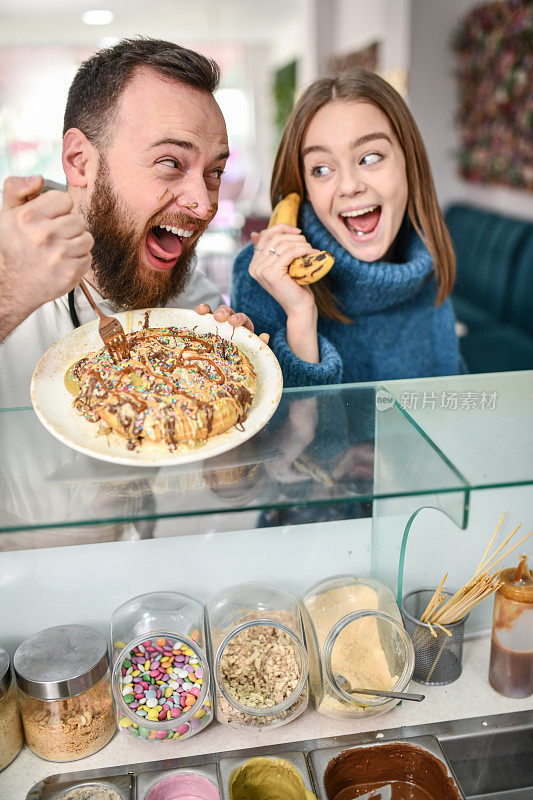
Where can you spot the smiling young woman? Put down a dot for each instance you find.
(351, 149)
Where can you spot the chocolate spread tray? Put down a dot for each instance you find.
(134, 781)
(319, 760)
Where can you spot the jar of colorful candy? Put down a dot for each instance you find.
(64, 690)
(10, 727)
(260, 662)
(161, 679)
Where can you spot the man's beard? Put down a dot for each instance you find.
(115, 254)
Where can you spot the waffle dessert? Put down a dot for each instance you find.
(176, 387)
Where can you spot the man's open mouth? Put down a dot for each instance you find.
(164, 244)
(362, 221)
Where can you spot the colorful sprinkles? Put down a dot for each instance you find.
(171, 372)
(161, 681)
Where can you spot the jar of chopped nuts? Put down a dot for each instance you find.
(10, 727)
(64, 689)
(260, 660)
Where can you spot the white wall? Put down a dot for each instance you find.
(259, 84)
(85, 584)
(58, 21)
(359, 23)
(433, 101)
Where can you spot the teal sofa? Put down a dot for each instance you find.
(493, 294)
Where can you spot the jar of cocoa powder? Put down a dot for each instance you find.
(64, 689)
(260, 661)
(10, 727)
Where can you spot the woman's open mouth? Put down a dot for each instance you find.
(362, 222)
(164, 245)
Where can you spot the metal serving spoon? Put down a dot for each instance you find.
(343, 684)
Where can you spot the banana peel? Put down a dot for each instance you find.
(305, 269)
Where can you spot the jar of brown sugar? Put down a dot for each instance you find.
(10, 727)
(260, 661)
(64, 689)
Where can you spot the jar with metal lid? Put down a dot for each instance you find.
(64, 689)
(511, 652)
(161, 677)
(10, 728)
(355, 640)
(260, 661)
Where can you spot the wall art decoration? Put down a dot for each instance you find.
(494, 45)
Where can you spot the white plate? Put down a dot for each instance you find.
(53, 403)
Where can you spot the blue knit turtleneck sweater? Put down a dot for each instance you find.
(396, 330)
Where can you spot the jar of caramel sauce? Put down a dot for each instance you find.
(511, 654)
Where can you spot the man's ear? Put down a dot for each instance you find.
(80, 158)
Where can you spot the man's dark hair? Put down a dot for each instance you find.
(97, 85)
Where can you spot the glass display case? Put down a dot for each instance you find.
(399, 481)
(388, 451)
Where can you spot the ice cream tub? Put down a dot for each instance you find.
(284, 776)
(390, 770)
(200, 783)
(66, 787)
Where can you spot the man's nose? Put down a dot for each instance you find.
(194, 197)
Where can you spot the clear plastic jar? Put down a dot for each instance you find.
(10, 728)
(260, 661)
(355, 640)
(161, 677)
(511, 652)
(64, 688)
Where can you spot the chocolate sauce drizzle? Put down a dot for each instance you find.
(113, 393)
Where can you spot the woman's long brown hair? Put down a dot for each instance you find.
(422, 204)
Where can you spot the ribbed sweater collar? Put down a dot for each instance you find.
(366, 287)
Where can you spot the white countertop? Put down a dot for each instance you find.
(469, 696)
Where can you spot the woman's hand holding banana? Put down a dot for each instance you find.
(274, 250)
(284, 264)
(307, 268)
(294, 256)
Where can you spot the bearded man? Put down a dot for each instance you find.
(144, 149)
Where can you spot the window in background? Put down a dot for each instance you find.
(34, 83)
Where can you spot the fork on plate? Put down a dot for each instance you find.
(110, 330)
